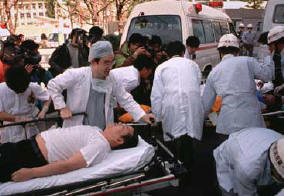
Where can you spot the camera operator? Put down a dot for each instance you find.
(19, 95)
(131, 50)
(32, 59)
(74, 54)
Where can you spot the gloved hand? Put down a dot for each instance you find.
(278, 89)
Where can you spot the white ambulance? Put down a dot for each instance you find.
(274, 14)
(176, 20)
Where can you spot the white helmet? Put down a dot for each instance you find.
(228, 40)
(241, 25)
(275, 34)
(249, 26)
(276, 153)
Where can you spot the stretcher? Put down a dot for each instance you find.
(147, 167)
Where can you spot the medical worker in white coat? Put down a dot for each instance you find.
(90, 90)
(250, 158)
(176, 101)
(233, 80)
(18, 103)
(130, 77)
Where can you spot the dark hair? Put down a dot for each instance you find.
(155, 40)
(129, 141)
(17, 79)
(193, 42)
(96, 31)
(43, 36)
(175, 48)
(76, 32)
(143, 61)
(136, 38)
(229, 50)
(29, 45)
(263, 38)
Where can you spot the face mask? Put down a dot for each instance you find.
(102, 86)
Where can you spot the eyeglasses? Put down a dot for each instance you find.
(108, 63)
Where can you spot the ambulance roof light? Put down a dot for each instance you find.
(216, 4)
(198, 7)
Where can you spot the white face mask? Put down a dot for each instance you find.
(102, 86)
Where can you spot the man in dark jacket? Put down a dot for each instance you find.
(73, 54)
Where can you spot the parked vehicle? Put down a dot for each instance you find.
(274, 14)
(176, 20)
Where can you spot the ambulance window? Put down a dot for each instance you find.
(168, 27)
(198, 30)
(279, 14)
(224, 28)
(217, 31)
(209, 35)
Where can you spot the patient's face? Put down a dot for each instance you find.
(117, 131)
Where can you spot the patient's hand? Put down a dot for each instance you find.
(22, 174)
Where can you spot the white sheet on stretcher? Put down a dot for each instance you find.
(118, 162)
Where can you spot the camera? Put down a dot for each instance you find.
(29, 49)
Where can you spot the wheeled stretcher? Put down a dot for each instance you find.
(141, 169)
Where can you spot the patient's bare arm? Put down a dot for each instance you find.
(77, 161)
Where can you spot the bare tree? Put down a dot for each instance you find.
(6, 17)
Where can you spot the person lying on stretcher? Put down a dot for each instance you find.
(62, 150)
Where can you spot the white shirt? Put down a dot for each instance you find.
(242, 161)
(175, 98)
(20, 105)
(62, 144)
(233, 80)
(128, 77)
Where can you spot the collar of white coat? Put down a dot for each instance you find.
(227, 56)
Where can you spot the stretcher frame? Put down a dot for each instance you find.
(142, 181)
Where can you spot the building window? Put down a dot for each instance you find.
(40, 14)
(29, 15)
(34, 6)
(39, 5)
(22, 15)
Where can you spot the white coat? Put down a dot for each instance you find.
(233, 80)
(78, 82)
(242, 161)
(128, 77)
(175, 98)
(20, 105)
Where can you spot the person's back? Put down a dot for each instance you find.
(183, 72)
(127, 76)
(233, 80)
(242, 160)
(181, 102)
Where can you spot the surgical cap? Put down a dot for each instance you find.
(100, 49)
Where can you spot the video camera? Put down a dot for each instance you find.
(20, 55)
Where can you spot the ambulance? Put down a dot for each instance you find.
(274, 14)
(176, 20)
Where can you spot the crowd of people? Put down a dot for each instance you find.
(86, 75)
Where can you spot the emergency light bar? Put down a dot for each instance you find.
(216, 4)
(198, 7)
